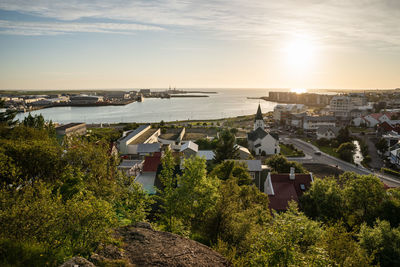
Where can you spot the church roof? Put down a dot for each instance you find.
(259, 114)
(257, 134)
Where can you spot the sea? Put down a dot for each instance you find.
(223, 104)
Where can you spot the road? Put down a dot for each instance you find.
(324, 158)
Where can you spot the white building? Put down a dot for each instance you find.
(314, 122)
(340, 106)
(144, 134)
(261, 141)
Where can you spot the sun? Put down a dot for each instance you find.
(299, 53)
(298, 90)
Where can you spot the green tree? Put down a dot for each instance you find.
(382, 241)
(290, 240)
(324, 200)
(346, 151)
(168, 195)
(280, 164)
(197, 193)
(7, 117)
(232, 170)
(226, 148)
(363, 197)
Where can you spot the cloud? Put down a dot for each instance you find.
(332, 22)
(56, 28)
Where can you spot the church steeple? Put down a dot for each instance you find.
(258, 120)
(258, 114)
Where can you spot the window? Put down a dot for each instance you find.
(303, 187)
(253, 175)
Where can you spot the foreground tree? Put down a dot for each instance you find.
(232, 170)
(280, 164)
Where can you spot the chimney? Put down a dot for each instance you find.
(292, 175)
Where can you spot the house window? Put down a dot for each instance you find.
(303, 187)
(253, 175)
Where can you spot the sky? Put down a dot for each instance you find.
(90, 44)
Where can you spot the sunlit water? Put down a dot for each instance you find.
(357, 157)
(227, 103)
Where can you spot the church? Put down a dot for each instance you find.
(261, 141)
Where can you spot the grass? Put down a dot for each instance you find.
(361, 129)
(289, 151)
(326, 149)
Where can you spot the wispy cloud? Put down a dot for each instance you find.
(56, 28)
(367, 22)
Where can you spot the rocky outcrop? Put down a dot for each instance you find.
(143, 246)
(78, 262)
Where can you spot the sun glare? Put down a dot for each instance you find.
(300, 53)
(298, 90)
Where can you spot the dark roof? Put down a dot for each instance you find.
(258, 114)
(151, 163)
(260, 134)
(286, 189)
(324, 128)
(257, 134)
(69, 125)
(320, 118)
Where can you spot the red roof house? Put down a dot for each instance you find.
(282, 188)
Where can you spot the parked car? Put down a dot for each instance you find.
(317, 153)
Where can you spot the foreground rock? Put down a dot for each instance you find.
(143, 246)
(78, 262)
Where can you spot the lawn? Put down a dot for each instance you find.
(327, 149)
(361, 129)
(290, 151)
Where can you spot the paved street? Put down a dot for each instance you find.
(324, 158)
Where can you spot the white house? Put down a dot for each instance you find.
(261, 141)
(371, 120)
(395, 157)
(327, 132)
(314, 122)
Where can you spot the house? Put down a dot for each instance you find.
(256, 170)
(282, 188)
(144, 134)
(147, 178)
(327, 132)
(131, 167)
(312, 123)
(244, 153)
(189, 149)
(70, 129)
(261, 141)
(207, 154)
(371, 120)
(389, 126)
(148, 149)
(395, 157)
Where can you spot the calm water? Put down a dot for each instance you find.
(227, 103)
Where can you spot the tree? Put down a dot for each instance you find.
(363, 199)
(36, 121)
(344, 135)
(382, 146)
(226, 148)
(324, 200)
(280, 164)
(346, 151)
(232, 170)
(383, 241)
(196, 193)
(291, 239)
(7, 117)
(168, 195)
